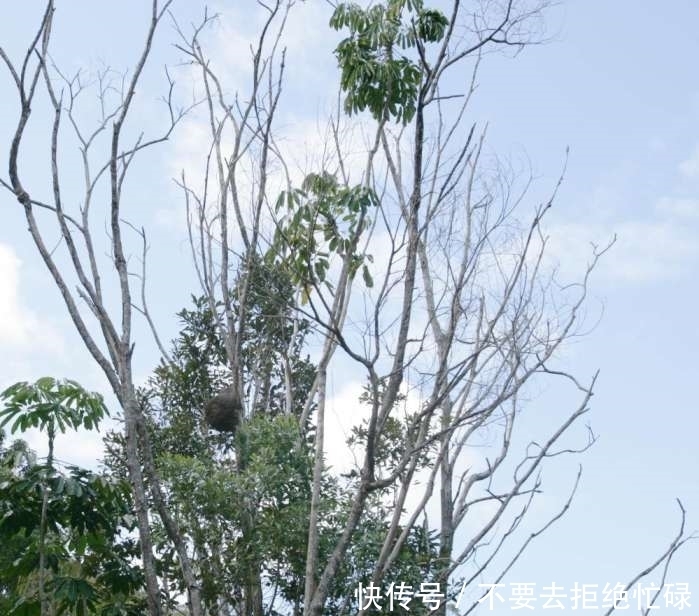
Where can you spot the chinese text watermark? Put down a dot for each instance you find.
(531, 596)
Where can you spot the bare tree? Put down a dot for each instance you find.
(463, 308)
(106, 334)
(458, 306)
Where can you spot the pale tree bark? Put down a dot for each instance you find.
(416, 217)
(464, 312)
(86, 304)
(225, 215)
(491, 329)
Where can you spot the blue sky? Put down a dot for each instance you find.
(614, 84)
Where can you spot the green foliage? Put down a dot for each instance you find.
(323, 218)
(394, 437)
(50, 404)
(244, 503)
(251, 515)
(241, 502)
(272, 337)
(374, 74)
(175, 395)
(416, 563)
(88, 564)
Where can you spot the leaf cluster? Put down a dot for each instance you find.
(89, 554)
(323, 218)
(375, 75)
(51, 403)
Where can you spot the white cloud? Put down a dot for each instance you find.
(343, 412)
(307, 43)
(660, 245)
(644, 251)
(31, 346)
(20, 328)
(306, 39)
(679, 207)
(649, 251)
(82, 447)
(690, 167)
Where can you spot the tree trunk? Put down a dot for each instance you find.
(133, 464)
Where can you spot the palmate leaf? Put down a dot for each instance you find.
(51, 403)
(373, 76)
(325, 220)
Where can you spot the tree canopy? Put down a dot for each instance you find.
(408, 264)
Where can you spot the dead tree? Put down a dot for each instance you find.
(80, 282)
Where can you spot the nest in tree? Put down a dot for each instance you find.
(223, 411)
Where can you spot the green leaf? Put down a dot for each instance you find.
(368, 280)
